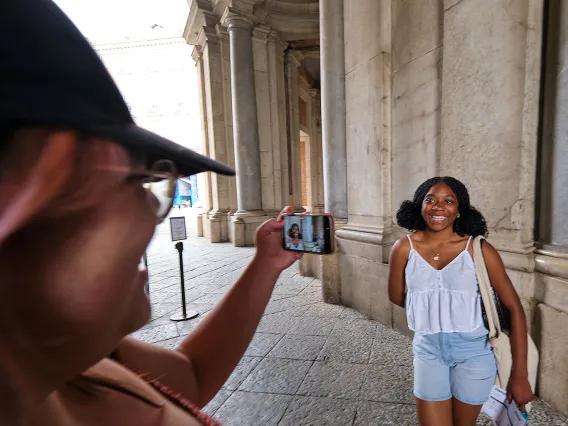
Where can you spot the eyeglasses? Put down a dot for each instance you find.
(160, 183)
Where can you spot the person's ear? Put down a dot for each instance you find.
(36, 178)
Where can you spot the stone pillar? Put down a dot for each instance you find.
(245, 130)
(553, 208)
(245, 120)
(276, 86)
(216, 215)
(316, 151)
(205, 190)
(292, 65)
(333, 107)
(365, 240)
(551, 313)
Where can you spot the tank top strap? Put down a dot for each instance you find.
(468, 243)
(410, 241)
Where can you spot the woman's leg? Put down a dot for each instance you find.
(464, 414)
(472, 381)
(435, 413)
(432, 390)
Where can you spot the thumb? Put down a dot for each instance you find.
(509, 396)
(522, 407)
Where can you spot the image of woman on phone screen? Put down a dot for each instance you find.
(432, 275)
(295, 238)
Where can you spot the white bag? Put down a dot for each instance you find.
(500, 340)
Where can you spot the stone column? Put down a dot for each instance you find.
(553, 208)
(551, 313)
(334, 147)
(245, 120)
(292, 65)
(215, 219)
(333, 107)
(205, 190)
(245, 130)
(316, 152)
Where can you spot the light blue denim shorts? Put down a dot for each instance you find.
(459, 365)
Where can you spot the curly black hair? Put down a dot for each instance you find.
(471, 221)
(290, 233)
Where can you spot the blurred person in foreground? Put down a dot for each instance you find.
(82, 189)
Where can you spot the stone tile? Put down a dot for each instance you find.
(276, 376)
(333, 380)
(543, 414)
(347, 348)
(262, 344)
(325, 310)
(280, 305)
(211, 298)
(363, 328)
(171, 344)
(217, 402)
(313, 326)
(253, 409)
(305, 410)
(383, 384)
(391, 349)
(155, 334)
(276, 323)
(298, 347)
(349, 313)
(241, 371)
(158, 321)
(374, 413)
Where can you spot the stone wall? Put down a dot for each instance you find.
(451, 87)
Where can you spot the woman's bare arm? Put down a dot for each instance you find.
(504, 287)
(397, 263)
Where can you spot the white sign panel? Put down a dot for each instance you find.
(177, 227)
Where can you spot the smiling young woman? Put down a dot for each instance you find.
(432, 275)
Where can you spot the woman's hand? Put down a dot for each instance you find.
(519, 390)
(269, 251)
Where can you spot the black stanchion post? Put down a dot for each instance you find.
(184, 314)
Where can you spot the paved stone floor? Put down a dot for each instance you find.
(309, 363)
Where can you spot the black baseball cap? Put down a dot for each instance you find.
(50, 75)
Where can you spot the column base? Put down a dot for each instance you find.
(243, 226)
(215, 226)
(363, 271)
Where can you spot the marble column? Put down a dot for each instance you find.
(245, 120)
(333, 107)
(551, 313)
(553, 202)
(215, 219)
(295, 167)
(205, 188)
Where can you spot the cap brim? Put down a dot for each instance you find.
(155, 147)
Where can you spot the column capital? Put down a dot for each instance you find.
(235, 19)
(207, 35)
(292, 59)
(197, 54)
(274, 37)
(261, 32)
(222, 32)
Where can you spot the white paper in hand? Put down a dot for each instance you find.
(503, 413)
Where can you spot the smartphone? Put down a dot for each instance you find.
(309, 233)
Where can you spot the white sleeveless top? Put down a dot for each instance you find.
(442, 301)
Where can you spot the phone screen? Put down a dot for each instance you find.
(308, 234)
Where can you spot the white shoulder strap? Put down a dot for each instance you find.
(410, 241)
(485, 289)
